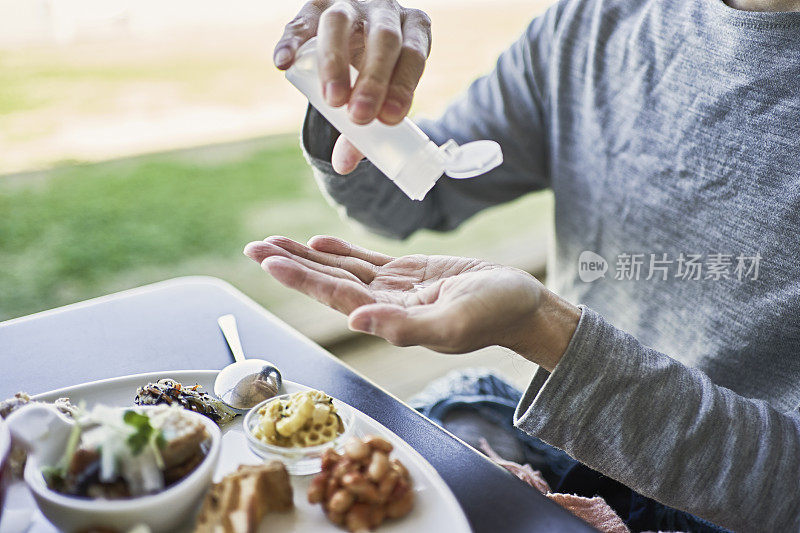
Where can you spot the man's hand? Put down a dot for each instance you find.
(387, 43)
(447, 304)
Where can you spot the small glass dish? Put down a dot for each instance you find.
(298, 461)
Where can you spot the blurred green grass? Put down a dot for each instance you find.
(86, 230)
(89, 222)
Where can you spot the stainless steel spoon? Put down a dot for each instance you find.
(246, 382)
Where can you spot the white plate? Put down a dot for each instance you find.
(435, 509)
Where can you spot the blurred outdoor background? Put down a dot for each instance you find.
(140, 141)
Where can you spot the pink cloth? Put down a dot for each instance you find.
(594, 511)
(525, 472)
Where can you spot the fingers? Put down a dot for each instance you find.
(427, 325)
(383, 42)
(258, 251)
(416, 27)
(336, 27)
(340, 294)
(299, 30)
(333, 245)
(362, 270)
(397, 45)
(345, 156)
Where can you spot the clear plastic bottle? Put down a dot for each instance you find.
(403, 152)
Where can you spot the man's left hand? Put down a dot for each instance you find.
(447, 304)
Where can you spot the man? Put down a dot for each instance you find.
(669, 132)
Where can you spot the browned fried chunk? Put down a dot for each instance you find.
(184, 440)
(238, 503)
(81, 459)
(175, 473)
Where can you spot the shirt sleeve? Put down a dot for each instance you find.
(506, 106)
(667, 431)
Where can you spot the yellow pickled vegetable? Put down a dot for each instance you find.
(302, 419)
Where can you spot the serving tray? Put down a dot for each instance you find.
(435, 508)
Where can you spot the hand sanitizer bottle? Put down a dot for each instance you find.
(403, 152)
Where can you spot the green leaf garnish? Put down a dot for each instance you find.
(53, 476)
(144, 432)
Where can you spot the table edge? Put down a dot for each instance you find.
(229, 288)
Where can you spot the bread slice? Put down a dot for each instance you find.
(239, 502)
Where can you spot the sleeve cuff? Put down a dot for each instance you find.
(317, 140)
(556, 406)
(318, 136)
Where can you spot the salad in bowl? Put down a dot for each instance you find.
(116, 467)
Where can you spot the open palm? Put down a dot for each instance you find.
(448, 304)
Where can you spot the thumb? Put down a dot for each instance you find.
(426, 325)
(345, 156)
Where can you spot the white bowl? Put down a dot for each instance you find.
(163, 511)
(298, 461)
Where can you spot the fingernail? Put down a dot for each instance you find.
(362, 324)
(282, 57)
(362, 109)
(393, 107)
(335, 93)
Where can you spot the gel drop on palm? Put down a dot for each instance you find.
(402, 152)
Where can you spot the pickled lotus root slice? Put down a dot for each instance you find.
(363, 486)
(300, 420)
(317, 434)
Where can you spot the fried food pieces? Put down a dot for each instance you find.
(362, 487)
(239, 502)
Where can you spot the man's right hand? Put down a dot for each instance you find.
(387, 43)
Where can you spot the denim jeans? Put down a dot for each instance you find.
(476, 403)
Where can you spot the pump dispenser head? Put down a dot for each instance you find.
(402, 152)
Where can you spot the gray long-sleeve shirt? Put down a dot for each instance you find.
(669, 131)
